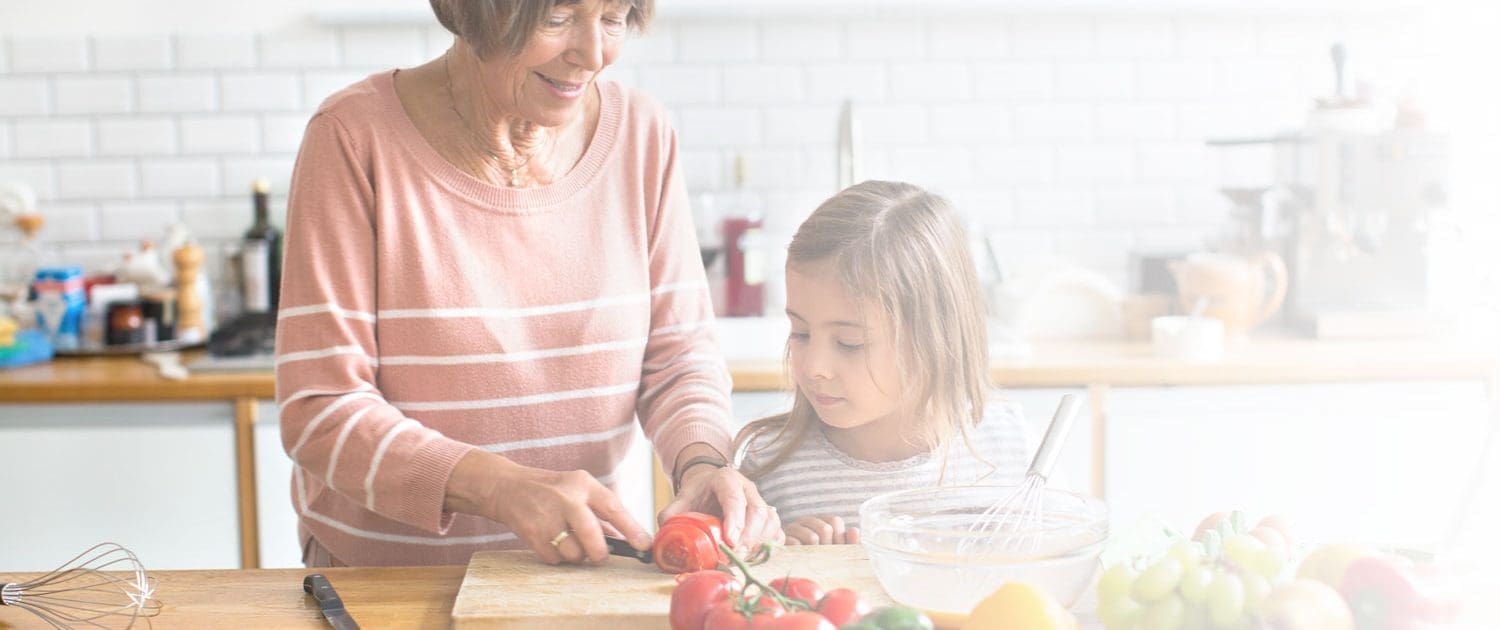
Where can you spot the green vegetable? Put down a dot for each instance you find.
(896, 618)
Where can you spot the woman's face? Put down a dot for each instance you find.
(547, 83)
(842, 357)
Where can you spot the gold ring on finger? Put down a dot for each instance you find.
(561, 536)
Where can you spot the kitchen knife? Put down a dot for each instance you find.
(619, 547)
(328, 600)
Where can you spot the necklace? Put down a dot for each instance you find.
(515, 170)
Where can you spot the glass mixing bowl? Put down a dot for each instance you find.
(926, 556)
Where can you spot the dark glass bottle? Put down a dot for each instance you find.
(260, 255)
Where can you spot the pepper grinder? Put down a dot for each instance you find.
(188, 259)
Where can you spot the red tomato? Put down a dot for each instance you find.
(724, 617)
(696, 594)
(805, 620)
(767, 605)
(728, 616)
(842, 605)
(798, 588)
(688, 542)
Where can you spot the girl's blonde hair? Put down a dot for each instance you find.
(905, 251)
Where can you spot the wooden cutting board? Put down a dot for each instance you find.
(515, 590)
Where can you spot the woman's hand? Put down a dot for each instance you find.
(821, 530)
(538, 505)
(748, 521)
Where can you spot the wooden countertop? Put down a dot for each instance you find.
(1049, 364)
(420, 597)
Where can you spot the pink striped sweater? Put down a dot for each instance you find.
(425, 313)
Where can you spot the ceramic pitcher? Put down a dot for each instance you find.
(1242, 290)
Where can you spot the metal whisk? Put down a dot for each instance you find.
(103, 587)
(1011, 523)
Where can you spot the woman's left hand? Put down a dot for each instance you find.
(748, 521)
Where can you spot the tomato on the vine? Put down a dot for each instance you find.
(696, 594)
(736, 615)
(842, 605)
(689, 542)
(798, 588)
(805, 620)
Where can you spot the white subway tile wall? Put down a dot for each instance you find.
(1069, 135)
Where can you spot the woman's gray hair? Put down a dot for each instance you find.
(506, 26)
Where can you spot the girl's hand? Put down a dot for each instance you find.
(748, 521)
(539, 505)
(821, 530)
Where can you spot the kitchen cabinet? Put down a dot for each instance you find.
(1378, 461)
(155, 477)
(1364, 440)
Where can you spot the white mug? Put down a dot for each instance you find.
(1188, 338)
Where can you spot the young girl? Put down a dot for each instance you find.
(890, 364)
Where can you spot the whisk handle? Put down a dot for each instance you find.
(1057, 433)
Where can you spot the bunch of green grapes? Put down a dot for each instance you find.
(1214, 582)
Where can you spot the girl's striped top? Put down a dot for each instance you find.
(820, 480)
(425, 313)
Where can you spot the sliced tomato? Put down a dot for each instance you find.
(798, 588)
(842, 605)
(689, 542)
(696, 594)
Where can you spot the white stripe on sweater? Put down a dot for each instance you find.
(517, 401)
(308, 355)
(385, 442)
(576, 438)
(682, 327)
(400, 538)
(338, 444)
(308, 393)
(313, 309)
(512, 357)
(323, 415)
(533, 311)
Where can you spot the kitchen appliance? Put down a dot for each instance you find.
(515, 590)
(104, 586)
(1243, 291)
(1354, 195)
(744, 243)
(1011, 525)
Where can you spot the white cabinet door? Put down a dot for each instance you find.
(1376, 462)
(157, 478)
(275, 516)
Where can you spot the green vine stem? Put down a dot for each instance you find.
(763, 555)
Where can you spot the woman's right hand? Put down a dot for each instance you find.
(538, 505)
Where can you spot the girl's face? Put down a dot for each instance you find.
(842, 358)
(547, 82)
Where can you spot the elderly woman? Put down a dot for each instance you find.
(491, 272)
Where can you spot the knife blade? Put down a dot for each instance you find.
(621, 547)
(328, 600)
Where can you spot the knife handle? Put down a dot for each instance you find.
(321, 590)
(618, 547)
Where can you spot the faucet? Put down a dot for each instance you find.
(848, 164)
